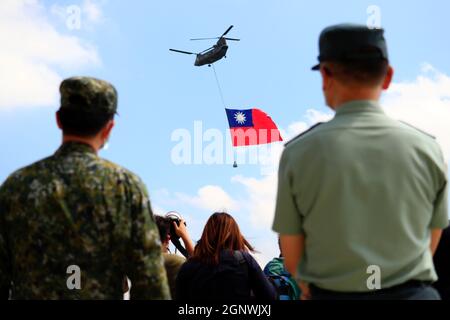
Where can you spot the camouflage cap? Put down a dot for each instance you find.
(88, 95)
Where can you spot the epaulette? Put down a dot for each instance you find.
(418, 129)
(303, 133)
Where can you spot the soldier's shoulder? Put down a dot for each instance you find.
(427, 142)
(120, 172)
(414, 129)
(22, 175)
(312, 130)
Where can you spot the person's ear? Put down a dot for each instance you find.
(388, 78)
(106, 132)
(326, 77)
(58, 120)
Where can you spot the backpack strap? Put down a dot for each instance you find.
(239, 256)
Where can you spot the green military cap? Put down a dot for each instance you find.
(349, 42)
(88, 95)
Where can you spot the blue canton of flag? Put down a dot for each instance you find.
(240, 118)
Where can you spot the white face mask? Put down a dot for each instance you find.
(105, 145)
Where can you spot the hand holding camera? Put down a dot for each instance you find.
(178, 229)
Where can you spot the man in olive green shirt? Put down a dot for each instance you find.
(362, 199)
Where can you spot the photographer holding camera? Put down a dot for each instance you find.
(172, 228)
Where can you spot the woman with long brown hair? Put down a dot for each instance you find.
(222, 267)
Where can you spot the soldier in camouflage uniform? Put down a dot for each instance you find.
(76, 209)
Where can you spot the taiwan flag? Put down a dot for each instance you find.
(252, 127)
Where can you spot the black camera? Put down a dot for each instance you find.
(174, 216)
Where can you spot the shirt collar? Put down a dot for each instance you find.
(359, 106)
(75, 147)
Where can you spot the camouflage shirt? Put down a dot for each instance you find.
(75, 209)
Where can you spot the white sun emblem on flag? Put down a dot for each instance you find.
(240, 117)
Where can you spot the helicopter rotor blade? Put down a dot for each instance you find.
(203, 39)
(226, 32)
(180, 51)
(222, 36)
(232, 39)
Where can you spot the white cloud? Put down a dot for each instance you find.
(423, 103)
(267, 248)
(208, 198)
(314, 116)
(211, 198)
(34, 54)
(259, 198)
(91, 12)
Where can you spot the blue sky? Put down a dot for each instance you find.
(160, 91)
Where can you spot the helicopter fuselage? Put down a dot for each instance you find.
(211, 56)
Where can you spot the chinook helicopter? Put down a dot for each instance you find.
(213, 54)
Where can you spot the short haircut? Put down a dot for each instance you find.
(81, 123)
(163, 225)
(370, 72)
